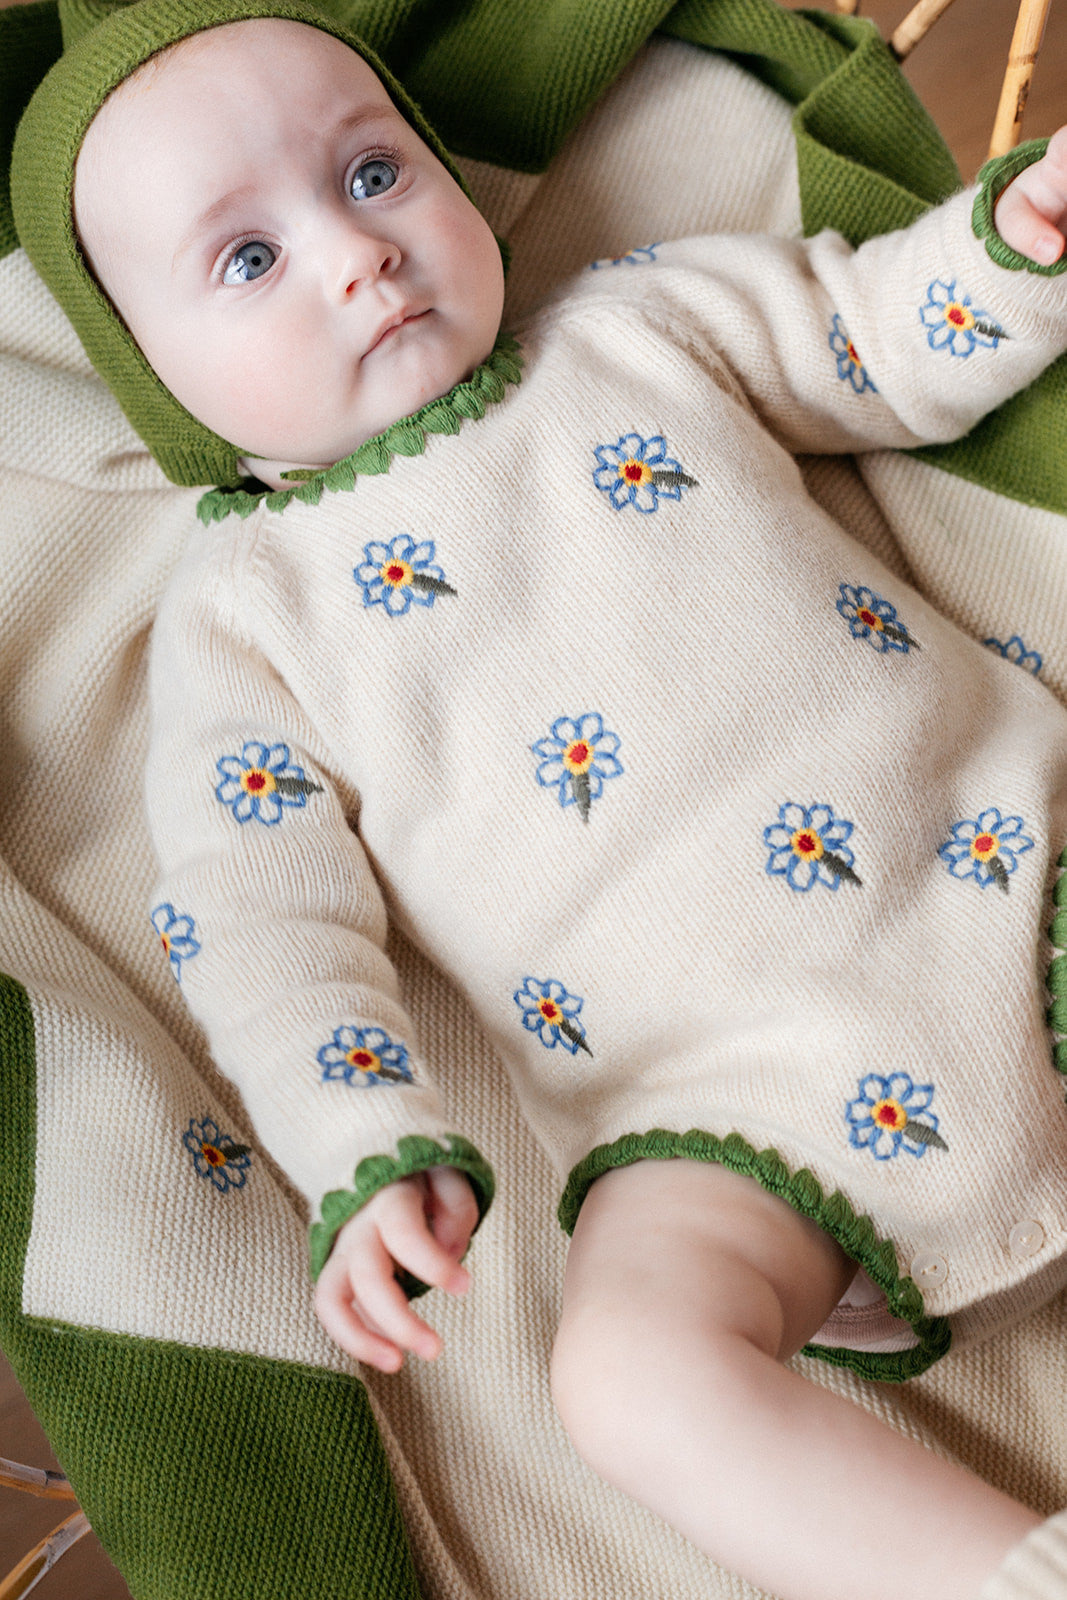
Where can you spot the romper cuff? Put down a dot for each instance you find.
(415, 1153)
(992, 179)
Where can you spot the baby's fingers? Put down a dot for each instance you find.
(1031, 213)
(415, 1248)
(366, 1312)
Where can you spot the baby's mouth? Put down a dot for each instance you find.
(392, 326)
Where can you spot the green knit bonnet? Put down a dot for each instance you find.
(104, 41)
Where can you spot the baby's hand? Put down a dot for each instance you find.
(1031, 213)
(423, 1224)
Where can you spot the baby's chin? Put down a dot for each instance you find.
(280, 474)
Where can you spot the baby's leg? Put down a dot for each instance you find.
(687, 1287)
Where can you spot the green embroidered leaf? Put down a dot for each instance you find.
(992, 330)
(899, 635)
(427, 585)
(999, 872)
(569, 1031)
(297, 786)
(924, 1135)
(580, 782)
(839, 867)
(672, 480)
(234, 1152)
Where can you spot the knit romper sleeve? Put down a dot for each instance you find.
(301, 1007)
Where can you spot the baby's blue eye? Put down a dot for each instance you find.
(373, 178)
(250, 261)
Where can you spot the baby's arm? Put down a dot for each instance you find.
(421, 1225)
(911, 338)
(1031, 213)
(286, 966)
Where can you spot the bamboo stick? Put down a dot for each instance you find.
(1025, 44)
(43, 1557)
(40, 1481)
(915, 26)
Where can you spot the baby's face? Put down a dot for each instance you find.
(296, 265)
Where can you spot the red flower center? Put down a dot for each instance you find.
(255, 782)
(955, 314)
(870, 619)
(633, 471)
(361, 1058)
(395, 574)
(213, 1155)
(549, 1010)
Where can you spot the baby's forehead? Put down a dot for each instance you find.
(275, 55)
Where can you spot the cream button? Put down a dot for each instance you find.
(1026, 1238)
(928, 1270)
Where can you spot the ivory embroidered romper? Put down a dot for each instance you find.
(737, 848)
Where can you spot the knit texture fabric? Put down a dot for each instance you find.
(146, 1309)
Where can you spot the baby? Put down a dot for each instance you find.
(542, 654)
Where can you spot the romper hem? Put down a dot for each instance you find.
(854, 1232)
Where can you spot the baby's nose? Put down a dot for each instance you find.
(364, 257)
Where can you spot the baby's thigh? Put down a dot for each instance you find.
(669, 1252)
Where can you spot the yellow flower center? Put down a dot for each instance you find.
(959, 316)
(890, 1114)
(870, 619)
(396, 574)
(362, 1059)
(853, 354)
(258, 781)
(986, 845)
(578, 756)
(807, 844)
(165, 942)
(635, 472)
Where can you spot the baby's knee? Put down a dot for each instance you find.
(620, 1386)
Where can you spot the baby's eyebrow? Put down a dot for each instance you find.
(211, 215)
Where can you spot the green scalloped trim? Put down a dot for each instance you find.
(486, 385)
(993, 178)
(804, 1193)
(415, 1153)
(1056, 980)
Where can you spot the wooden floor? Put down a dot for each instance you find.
(956, 72)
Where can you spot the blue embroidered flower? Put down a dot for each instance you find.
(364, 1057)
(808, 845)
(890, 1115)
(260, 782)
(551, 1011)
(1016, 651)
(849, 367)
(871, 618)
(631, 258)
(577, 759)
(986, 848)
(953, 323)
(216, 1156)
(638, 472)
(399, 575)
(176, 934)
